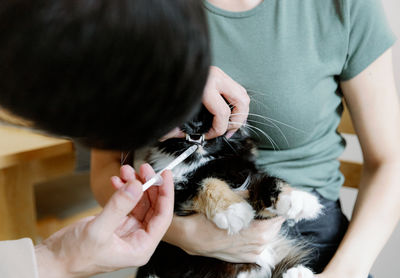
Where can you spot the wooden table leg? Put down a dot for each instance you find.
(17, 203)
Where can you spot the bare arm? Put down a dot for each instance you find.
(373, 103)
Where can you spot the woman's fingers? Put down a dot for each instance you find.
(240, 102)
(217, 106)
(227, 100)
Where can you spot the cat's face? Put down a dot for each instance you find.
(208, 149)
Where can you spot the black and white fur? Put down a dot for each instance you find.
(232, 162)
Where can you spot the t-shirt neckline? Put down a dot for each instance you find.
(225, 13)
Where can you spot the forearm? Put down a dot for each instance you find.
(375, 216)
(49, 265)
(180, 233)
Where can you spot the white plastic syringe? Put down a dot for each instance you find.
(156, 180)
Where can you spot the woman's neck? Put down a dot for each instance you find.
(235, 5)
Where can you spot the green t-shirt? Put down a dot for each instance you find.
(290, 56)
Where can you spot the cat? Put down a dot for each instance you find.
(223, 168)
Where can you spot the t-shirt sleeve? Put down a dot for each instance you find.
(369, 35)
(17, 259)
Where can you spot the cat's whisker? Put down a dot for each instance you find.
(249, 128)
(271, 120)
(274, 125)
(124, 157)
(231, 106)
(262, 123)
(273, 143)
(253, 99)
(229, 144)
(251, 90)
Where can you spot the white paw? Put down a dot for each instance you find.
(298, 272)
(267, 259)
(235, 217)
(298, 205)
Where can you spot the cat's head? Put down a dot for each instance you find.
(195, 130)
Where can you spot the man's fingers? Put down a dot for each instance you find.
(163, 209)
(116, 182)
(146, 172)
(127, 173)
(117, 208)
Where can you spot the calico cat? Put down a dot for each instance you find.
(209, 182)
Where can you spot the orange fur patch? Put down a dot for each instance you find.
(215, 196)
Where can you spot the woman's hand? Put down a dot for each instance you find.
(219, 90)
(115, 238)
(219, 86)
(198, 236)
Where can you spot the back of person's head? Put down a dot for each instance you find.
(113, 73)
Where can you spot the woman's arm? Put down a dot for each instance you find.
(374, 107)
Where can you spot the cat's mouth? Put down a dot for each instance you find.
(196, 139)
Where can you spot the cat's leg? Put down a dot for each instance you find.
(297, 204)
(221, 205)
(298, 272)
(271, 196)
(263, 193)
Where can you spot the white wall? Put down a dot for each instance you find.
(387, 265)
(392, 8)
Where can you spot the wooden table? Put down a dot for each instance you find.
(27, 158)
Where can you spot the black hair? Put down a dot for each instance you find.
(115, 74)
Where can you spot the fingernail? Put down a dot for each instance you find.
(114, 178)
(229, 134)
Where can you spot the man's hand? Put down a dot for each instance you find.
(116, 238)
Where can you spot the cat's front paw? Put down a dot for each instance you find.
(298, 205)
(298, 272)
(235, 218)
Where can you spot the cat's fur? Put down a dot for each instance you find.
(209, 182)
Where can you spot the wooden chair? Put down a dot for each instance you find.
(41, 193)
(351, 170)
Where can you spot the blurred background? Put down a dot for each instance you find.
(71, 197)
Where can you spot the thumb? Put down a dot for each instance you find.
(118, 207)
